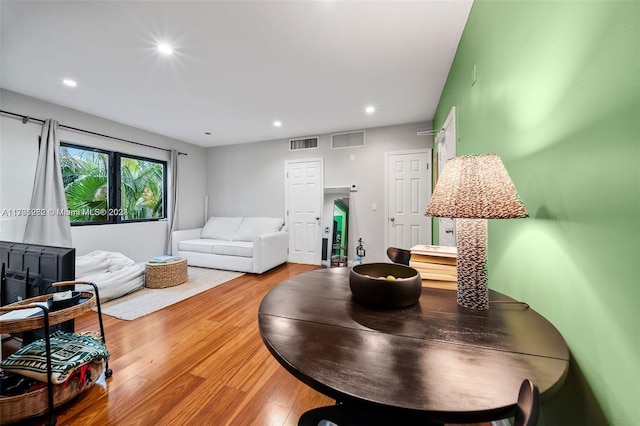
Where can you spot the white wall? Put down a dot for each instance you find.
(240, 180)
(18, 156)
(248, 179)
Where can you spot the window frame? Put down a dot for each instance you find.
(114, 192)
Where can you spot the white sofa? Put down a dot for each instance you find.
(245, 244)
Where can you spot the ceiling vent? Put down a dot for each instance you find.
(303, 143)
(348, 140)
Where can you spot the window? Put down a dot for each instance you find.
(110, 187)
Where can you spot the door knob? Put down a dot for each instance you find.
(392, 219)
(317, 218)
(448, 231)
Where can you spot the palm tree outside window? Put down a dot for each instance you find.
(110, 187)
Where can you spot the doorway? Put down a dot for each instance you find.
(340, 234)
(335, 238)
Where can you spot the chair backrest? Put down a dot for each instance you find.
(398, 255)
(528, 405)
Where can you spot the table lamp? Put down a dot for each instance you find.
(473, 189)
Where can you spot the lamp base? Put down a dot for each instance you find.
(471, 240)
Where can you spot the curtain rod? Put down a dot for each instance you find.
(26, 119)
(429, 132)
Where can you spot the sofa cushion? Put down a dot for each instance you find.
(201, 245)
(223, 247)
(221, 228)
(233, 248)
(251, 227)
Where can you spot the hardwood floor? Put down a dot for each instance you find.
(198, 362)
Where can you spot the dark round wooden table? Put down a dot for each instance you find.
(434, 361)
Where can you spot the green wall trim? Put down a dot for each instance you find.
(557, 96)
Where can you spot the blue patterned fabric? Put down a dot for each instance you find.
(68, 352)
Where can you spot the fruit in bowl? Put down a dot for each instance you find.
(385, 285)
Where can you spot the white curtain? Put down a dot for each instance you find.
(173, 199)
(47, 224)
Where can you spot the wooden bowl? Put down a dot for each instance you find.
(371, 285)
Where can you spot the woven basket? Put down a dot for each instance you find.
(55, 317)
(161, 275)
(32, 404)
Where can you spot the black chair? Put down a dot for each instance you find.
(349, 415)
(332, 415)
(398, 255)
(324, 416)
(527, 410)
(528, 406)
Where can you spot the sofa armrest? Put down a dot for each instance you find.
(181, 235)
(270, 250)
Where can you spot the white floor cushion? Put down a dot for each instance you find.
(113, 273)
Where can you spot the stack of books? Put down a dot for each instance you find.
(164, 259)
(436, 265)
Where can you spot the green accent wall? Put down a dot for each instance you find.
(557, 96)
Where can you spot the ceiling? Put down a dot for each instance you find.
(237, 66)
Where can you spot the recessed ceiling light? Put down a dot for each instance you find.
(370, 109)
(165, 49)
(68, 82)
(277, 123)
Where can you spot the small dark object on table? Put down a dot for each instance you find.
(55, 305)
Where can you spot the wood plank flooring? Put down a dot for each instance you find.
(198, 362)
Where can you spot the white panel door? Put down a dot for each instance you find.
(447, 149)
(304, 198)
(409, 192)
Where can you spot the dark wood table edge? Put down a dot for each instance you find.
(409, 416)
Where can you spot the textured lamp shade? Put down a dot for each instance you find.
(473, 189)
(477, 187)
